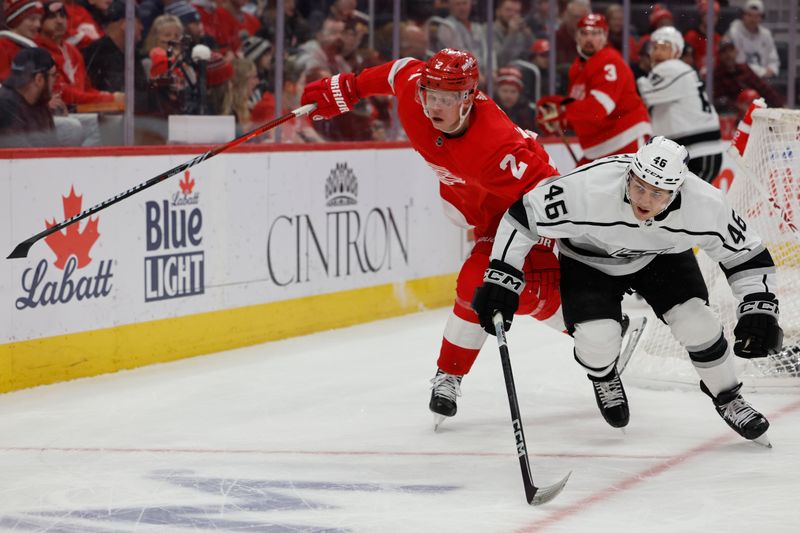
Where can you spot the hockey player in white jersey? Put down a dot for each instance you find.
(678, 104)
(630, 222)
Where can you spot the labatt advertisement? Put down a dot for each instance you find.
(71, 273)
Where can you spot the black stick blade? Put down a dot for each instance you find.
(545, 494)
(21, 250)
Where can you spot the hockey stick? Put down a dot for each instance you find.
(535, 495)
(24, 247)
(564, 140)
(633, 333)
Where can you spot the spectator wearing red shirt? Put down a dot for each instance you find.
(731, 78)
(71, 80)
(24, 19)
(206, 9)
(84, 19)
(697, 37)
(230, 22)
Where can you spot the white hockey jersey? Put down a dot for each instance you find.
(588, 212)
(680, 109)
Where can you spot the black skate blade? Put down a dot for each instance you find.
(438, 420)
(545, 494)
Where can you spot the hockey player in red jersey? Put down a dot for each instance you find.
(484, 164)
(603, 107)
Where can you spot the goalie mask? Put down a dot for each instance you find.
(448, 79)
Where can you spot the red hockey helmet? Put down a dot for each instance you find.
(450, 70)
(593, 20)
(746, 98)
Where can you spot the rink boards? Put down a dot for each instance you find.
(241, 249)
(244, 248)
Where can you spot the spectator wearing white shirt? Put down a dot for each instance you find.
(754, 42)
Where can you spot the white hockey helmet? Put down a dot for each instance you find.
(668, 34)
(661, 163)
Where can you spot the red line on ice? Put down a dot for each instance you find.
(76, 449)
(642, 476)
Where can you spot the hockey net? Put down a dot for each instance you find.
(766, 191)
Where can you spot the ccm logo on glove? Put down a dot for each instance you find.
(499, 277)
(761, 306)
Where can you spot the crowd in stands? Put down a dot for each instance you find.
(62, 65)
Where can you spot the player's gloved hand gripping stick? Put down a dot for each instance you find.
(757, 331)
(22, 249)
(333, 96)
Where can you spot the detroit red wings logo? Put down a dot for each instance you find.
(73, 241)
(578, 91)
(445, 176)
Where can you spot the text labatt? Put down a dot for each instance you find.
(181, 272)
(40, 291)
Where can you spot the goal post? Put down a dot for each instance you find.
(766, 192)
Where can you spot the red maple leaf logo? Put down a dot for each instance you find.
(72, 241)
(187, 184)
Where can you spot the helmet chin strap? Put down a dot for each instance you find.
(462, 116)
(463, 113)
(580, 52)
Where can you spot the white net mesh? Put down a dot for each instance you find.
(767, 193)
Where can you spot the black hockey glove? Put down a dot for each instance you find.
(757, 332)
(502, 285)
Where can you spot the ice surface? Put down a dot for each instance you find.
(331, 432)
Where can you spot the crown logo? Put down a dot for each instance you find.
(186, 183)
(341, 186)
(72, 241)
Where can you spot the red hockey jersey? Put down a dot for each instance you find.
(607, 113)
(482, 171)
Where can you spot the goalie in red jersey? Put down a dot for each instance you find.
(603, 107)
(484, 164)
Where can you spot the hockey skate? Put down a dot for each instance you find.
(445, 389)
(740, 415)
(611, 399)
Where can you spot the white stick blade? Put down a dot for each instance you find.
(545, 494)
